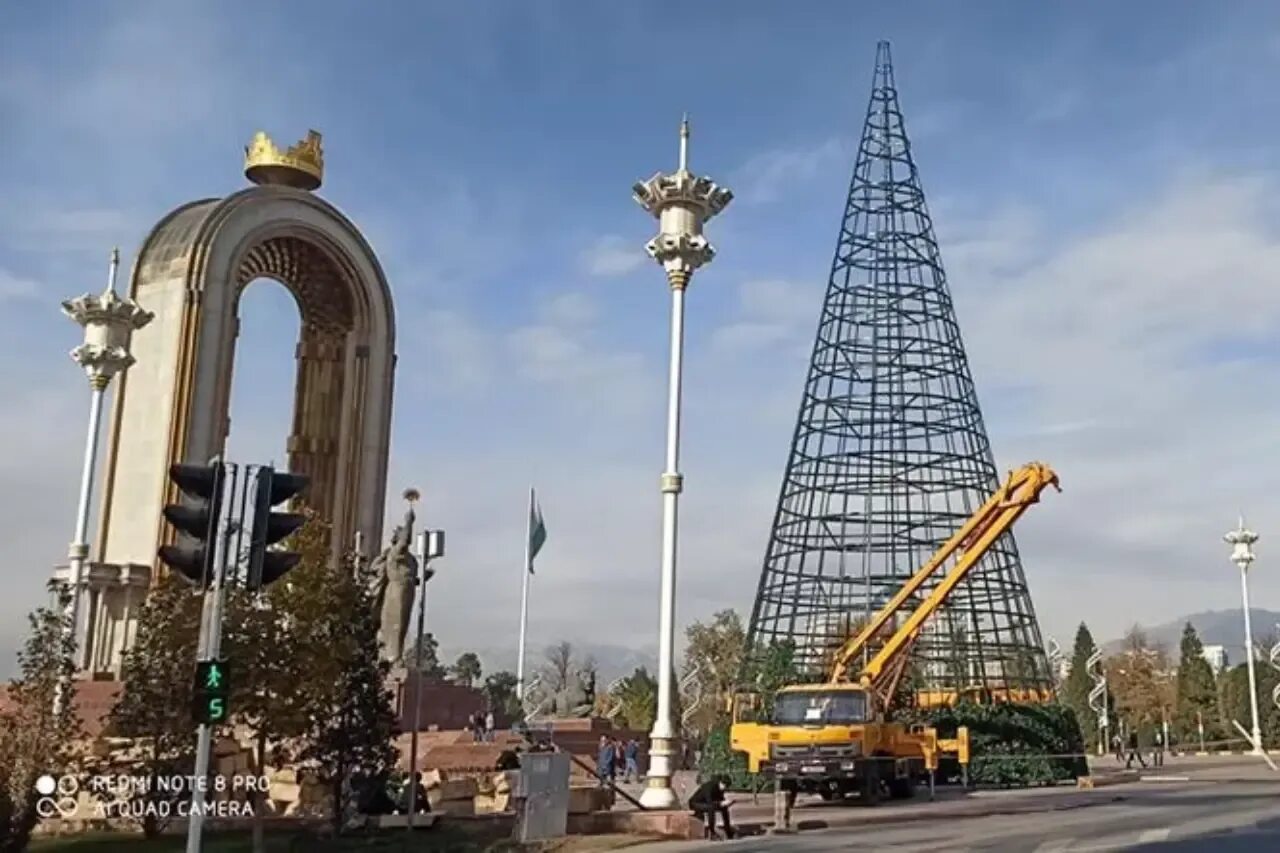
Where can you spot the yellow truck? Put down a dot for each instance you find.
(835, 738)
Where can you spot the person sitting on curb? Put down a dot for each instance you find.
(708, 801)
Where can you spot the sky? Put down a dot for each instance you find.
(1102, 179)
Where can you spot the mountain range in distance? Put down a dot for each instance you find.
(1215, 627)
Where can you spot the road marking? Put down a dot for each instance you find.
(1165, 778)
(1150, 835)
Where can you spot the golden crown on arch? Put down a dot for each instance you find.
(301, 166)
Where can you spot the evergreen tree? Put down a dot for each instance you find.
(425, 660)
(154, 706)
(351, 722)
(1075, 693)
(500, 690)
(466, 670)
(33, 739)
(1234, 687)
(637, 700)
(1197, 695)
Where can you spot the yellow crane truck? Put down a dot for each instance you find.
(834, 738)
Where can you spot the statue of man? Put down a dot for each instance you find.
(396, 576)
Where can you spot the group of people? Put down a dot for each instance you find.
(481, 726)
(1130, 749)
(616, 759)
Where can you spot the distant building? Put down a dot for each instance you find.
(1217, 658)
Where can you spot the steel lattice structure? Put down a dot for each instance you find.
(890, 454)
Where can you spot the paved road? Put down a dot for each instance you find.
(1222, 808)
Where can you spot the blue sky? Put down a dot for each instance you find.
(1102, 177)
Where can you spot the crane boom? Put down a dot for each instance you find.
(970, 542)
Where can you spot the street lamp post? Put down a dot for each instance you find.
(109, 322)
(1241, 541)
(430, 545)
(682, 203)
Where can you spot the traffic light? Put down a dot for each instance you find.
(195, 519)
(211, 698)
(273, 488)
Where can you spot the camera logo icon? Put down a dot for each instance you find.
(57, 796)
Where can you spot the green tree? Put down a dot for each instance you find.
(426, 659)
(1234, 688)
(154, 705)
(35, 740)
(466, 670)
(637, 698)
(351, 722)
(1197, 694)
(767, 671)
(266, 637)
(1079, 683)
(500, 691)
(715, 649)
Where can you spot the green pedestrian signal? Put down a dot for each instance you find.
(211, 697)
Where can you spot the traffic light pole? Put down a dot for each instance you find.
(208, 648)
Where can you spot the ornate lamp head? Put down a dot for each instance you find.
(1241, 541)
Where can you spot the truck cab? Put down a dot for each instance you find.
(826, 739)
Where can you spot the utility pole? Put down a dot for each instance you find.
(682, 203)
(1241, 541)
(109, 323)
(430, 545)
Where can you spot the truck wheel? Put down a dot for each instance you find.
(869, 792)
(902, 789)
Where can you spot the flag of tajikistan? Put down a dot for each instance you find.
(537, 530)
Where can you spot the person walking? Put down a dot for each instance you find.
(606, 757)
(1157, 751)
(489, 726)
(1134, 752)
(631, 752)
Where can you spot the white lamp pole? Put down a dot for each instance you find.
(109, 323)
(682, 203)
(1241, 541)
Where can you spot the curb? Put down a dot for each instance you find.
(925, 813)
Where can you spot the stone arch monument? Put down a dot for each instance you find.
(172, 406)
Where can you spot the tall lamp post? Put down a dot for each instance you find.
(682, 202)
(430, 545)
(1241, 541)
(109, 322)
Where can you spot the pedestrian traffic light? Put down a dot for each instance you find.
(196, 520)
(211, 698)
(273, 488)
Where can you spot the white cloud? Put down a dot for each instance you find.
(770, 312)
(612, 255)
(15, 287)
(1158, 441)
(571, 308)
(772, 175)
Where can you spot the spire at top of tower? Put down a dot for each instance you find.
(115, 265)
(684, 143)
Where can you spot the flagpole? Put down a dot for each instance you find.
(524, 601)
